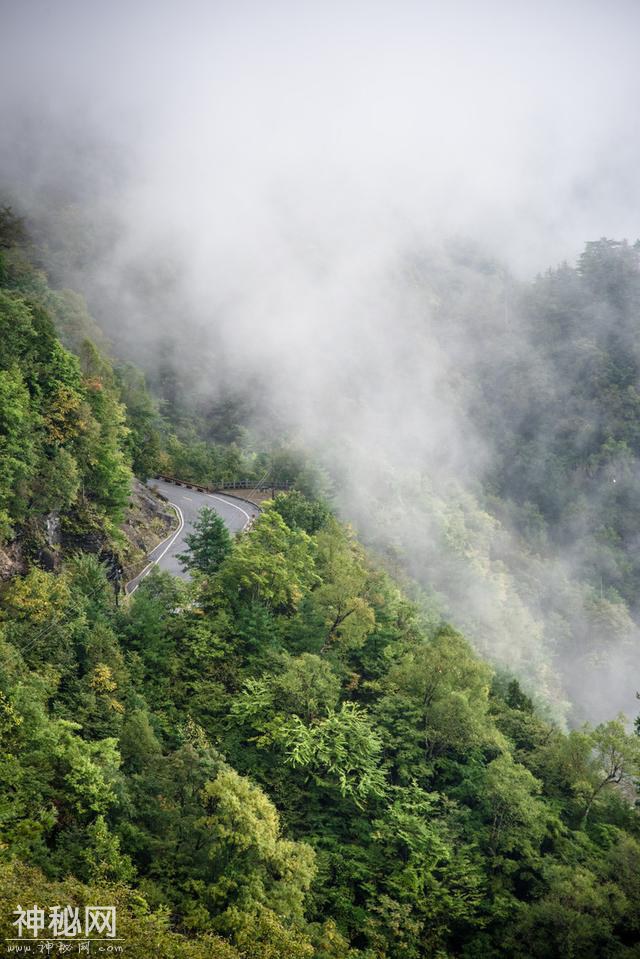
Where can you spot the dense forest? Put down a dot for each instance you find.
(532, 551)
(286, 756)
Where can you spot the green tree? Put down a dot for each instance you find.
(517, 819)
(273, 564)
(431, 881)
(343, 600)
(342, 750)
(142, 420)
(614, 762)
(298, 512)
(252, 863)
(209, 543)
(17, 448)
(437, 705)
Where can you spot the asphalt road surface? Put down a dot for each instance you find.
(188, 503)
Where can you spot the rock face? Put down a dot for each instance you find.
(50, 554)
(44, 540)
(53, 529)
(147, 523)
(40, 540)
(11, 561)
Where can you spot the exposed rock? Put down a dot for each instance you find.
(53, 529)
(11, 561)
(47, 540)
(49, 559)
(146, 524)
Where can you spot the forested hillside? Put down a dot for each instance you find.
(558, 405)
(565, 424)
(284, 757)
(521, 525)
(76, 426)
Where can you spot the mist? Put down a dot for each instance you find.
(300, 199)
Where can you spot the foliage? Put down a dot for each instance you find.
(62, 432)
(283, 758)
(208, 544)
(206, 746)
(299, 512)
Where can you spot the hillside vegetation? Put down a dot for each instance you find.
(284, 757)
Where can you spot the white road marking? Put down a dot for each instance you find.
(171, 540)
(243, 511)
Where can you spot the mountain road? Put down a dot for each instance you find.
(236, 513)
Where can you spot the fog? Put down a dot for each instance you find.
(283, 192)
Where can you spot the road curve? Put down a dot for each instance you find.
(188, 503)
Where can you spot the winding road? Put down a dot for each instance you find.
(237, 514)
